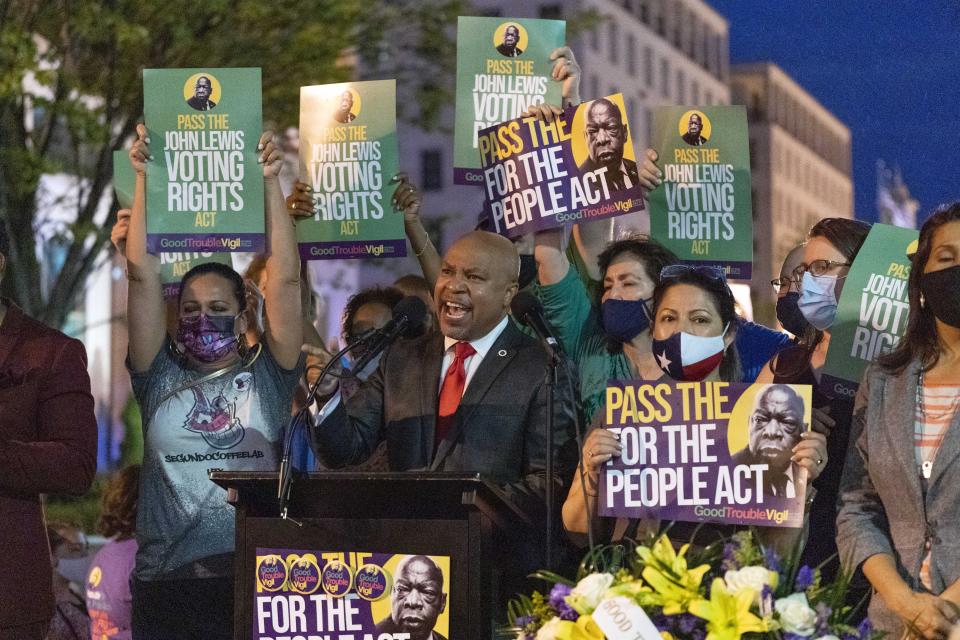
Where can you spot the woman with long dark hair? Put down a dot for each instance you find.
(832, 245)
(899, 514)
(694, 328)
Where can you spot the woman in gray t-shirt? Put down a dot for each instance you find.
(208, 402)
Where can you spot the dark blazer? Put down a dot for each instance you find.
(629, 165)
(200, 105)
(499, 428)
(745, 456)
(694, 140)
(391, 627)
(48, 444)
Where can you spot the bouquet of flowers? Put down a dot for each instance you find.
(729, 589)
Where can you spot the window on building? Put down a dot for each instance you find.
(431, 165)
(613, 35)
(551, 11)
(644, 12)
(695, 93)
(632, 55)
(595, 38)
(677, 35)
(648, 66)
(681, 87)
(665, 78)
(594, 87)
(707, 98)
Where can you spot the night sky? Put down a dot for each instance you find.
(889, 70)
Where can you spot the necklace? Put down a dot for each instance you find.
(926, 467)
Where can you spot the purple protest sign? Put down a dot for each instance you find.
(539, 175)
(706, 452)
(350, 596)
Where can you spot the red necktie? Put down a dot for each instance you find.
(452, 390)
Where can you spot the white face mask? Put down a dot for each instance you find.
(818, 300)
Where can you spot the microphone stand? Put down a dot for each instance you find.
(550, 382)
(554, 361)
(297, 422)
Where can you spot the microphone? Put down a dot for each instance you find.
(527, 309)
(408, 317)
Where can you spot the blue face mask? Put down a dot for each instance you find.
(624, 320)
(789, 315)
(818, 300)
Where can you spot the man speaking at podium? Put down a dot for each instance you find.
(470, 399)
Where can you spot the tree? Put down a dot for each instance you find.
(71, 94)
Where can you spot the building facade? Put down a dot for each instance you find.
(801, 163)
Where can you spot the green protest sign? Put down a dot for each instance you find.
(348, 154)
(503, 67)
(702, 211)
(873, 310)
(172, 264)
(204, 185)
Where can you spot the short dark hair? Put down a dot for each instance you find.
(118, 504)
(726, 304)
(222, 270)
(387, 296)
(412, 282)
(651, 254)
(847, 236)
(920, 340)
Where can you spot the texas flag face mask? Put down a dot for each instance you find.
(689, 358)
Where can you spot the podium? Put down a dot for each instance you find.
(461, 516)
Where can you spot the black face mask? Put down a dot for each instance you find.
(528, 270)
(941, 292)
(789, 315)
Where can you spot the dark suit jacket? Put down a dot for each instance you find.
(694, 140)
(629, 165)
(499, 427)
(199, 105)
(389, 626)
(48, 444)
(510, 52)
(744, 456)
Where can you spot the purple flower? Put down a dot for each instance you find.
(823, 617)
(523, 621)
(794, 636)
(771, 559)
(804, 578)
(687, 623)
(661, 622)
(865, 629)
(730, 556)
(558, 601)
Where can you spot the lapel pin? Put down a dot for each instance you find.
(502, 353)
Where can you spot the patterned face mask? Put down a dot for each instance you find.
(684, 356)
(207, 338)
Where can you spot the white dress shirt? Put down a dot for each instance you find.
(471, 364)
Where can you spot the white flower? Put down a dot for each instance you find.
(549, 630)
(589, 591)
(796, 615)
(828, 637)
(754, 578)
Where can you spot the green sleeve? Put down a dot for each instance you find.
(567, 307)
